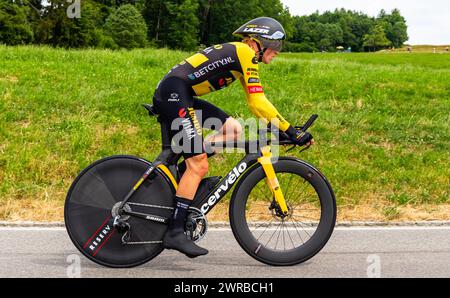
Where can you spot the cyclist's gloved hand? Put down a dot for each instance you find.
(298, 136)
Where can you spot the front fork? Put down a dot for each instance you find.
(271, 178)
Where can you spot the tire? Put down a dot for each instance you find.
(246, 207)
(88, 211)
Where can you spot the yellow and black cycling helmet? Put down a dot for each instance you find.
(267, 32)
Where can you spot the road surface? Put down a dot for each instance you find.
(351, 252)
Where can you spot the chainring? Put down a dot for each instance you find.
(196, 221)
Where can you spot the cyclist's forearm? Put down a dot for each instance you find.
(263, 108)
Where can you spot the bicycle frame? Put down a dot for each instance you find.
(167, 160)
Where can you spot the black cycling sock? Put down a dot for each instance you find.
(180, 213)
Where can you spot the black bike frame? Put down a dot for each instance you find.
(170, 159)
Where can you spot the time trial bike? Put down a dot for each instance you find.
(282, 211)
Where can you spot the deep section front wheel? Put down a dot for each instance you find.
(272, 237)
(92, 204)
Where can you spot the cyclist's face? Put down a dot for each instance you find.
(269, 55)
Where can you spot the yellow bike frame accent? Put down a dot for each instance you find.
(169, 174)
(271, 178)
(138, 183)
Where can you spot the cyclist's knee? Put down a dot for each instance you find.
(233, 128)
(197, 165)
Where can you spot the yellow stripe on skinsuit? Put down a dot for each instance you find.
(169, 174)
(197, 59)
(203, 88)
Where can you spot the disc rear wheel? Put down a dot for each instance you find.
(92, 204)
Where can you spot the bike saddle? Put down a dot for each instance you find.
(151, 110)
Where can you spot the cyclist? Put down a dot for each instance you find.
(212, 69)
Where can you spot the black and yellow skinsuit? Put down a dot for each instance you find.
(212, 69)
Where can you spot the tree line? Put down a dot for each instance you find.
(188, 24)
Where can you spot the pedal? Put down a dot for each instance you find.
(190, 229)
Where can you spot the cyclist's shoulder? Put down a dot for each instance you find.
(242, 48)
(244, 53)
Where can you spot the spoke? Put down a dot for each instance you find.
(261, 225)
(278, 237)
(297, 231)
(264, 231)
(301, 227)
(284, 243)
(289, 234)
(263, 194)
(288, 185)
(295, 188)
(272, 236)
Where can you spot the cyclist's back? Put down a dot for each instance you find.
(218, 66)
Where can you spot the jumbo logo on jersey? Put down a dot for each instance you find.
(210, 67)
(225, 186)
(191, 125)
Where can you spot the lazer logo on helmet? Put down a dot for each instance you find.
(224, 187)
(256, 30)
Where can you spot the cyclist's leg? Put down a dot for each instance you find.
(228, 128)
(174, 102)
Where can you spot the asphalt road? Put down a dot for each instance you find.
(351, 252)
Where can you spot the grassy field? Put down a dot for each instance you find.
(426, 48)
(383, 135)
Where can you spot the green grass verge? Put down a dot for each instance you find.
(382, 135)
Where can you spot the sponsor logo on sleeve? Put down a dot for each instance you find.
(253, 80)
(255, 60)
(255, 89)
(252, 72)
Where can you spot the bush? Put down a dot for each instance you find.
(127, 27)
(14, 26)
(299, 47)
(104, 41)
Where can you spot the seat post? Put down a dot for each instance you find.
(165, 136)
